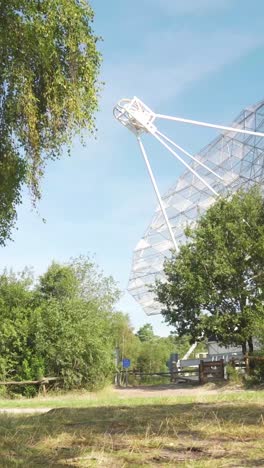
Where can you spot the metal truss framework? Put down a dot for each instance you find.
(232, 160)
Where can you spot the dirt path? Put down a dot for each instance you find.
(171, 391)
(24, 410)
(157, 391)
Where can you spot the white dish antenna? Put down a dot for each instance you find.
(140, 119)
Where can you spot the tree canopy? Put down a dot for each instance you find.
(49, 328)
(146, 333)
(48, 90)
(215, 285)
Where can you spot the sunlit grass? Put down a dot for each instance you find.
(83, 399)
(220, 430)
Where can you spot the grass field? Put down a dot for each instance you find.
(223, 430)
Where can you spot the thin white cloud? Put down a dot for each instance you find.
(167, 63)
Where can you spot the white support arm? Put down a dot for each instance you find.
(188, 154)
(154, 183)
(189, 352)
(185, 164)
(206, 124)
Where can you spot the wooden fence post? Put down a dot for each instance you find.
(174, 371)
(201, 372)
(247, 363)
(222, 375)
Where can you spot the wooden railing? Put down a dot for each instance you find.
(122, 377)
(42, 383)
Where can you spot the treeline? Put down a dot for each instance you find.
(64, 324)
(146, 351)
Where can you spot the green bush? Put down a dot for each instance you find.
(234, 375)
(61, 327)
(256, 376)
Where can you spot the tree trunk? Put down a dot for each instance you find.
(250, 345)
(244, 347)
(251, 349)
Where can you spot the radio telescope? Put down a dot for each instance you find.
(233, 160)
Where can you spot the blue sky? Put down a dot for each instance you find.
(200, 59)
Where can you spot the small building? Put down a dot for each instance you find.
(216, 348)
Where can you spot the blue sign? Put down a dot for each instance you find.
(126, 363)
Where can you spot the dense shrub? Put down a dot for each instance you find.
(61, 326)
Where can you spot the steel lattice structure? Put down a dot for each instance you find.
(232, 160)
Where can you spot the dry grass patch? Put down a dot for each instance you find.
(147, 433)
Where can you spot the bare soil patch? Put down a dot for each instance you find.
(174, 390)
